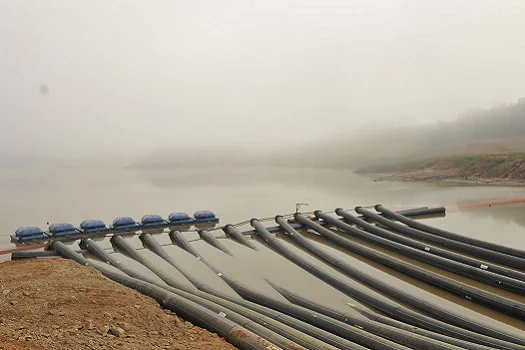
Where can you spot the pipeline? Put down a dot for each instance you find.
(213, 241)
(447, 234)
(291, 333)
(152, 244)
(96, 249)
(237, 235)
(447, 260)
(129, 250)
(182, 242)
(403, 336)
(341, 330)
(374, 316)
(352, 333)
(417, 212)
(420, 211)
(484, 253)
(189, 310)
(476, 295)
(315, 332)
(488, 336)
(292, 328)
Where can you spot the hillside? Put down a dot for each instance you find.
(495, 169)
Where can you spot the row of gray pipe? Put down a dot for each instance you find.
(316, 329)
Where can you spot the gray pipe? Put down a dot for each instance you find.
(181, 241)
(483, 253)
(320, 335)
(400, 336)
(442, 258)
(189, 310)
(213, 241)
(489, 337)
(447, 234)
(504, 305)
(237, 235)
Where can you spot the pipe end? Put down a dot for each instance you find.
(377, 207)
(252, 221)
(317, 213)
(358, 209)
(339, 210)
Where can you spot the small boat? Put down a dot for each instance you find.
(205, 217)
(152, 220)
(63, 230)
(27, 234)
(90, 226)
(124, 223)
(182, 219)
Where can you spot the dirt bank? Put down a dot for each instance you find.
(499, 169)
(58, 304)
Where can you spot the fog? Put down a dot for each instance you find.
(125, 78)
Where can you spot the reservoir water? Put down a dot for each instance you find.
(29, 197)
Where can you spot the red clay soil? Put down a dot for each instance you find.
(59, 304)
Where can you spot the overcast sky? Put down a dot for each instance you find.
(84, 77)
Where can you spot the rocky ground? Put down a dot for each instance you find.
(58, 304)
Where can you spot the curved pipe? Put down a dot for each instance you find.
(479, 296)
(129, 250)
(152, 244)
(447, 234)
(484, 253)
(237, 235)
(354, 334)
(181, 241)
(474, 332)
(407, 338)
(445, 259)
(320, 335)
(189, 310)
(384, 305)
(99, 252)
(209, 238)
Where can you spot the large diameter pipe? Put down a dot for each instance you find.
(344, 267)
(477, 333)
(354, 334)
(483, 253)
(447, 260)
(129, 250)
(483, 265)
(95, 249)
(209, 238)
(447, 234)
(237, 235)
(479, 296)
(152, 244)
(374, 316)
(289, 327)
(181, 241)
(189, 310)
(399, 336)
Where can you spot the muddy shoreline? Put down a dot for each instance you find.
(444, 180)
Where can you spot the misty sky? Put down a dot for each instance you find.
(86, 77)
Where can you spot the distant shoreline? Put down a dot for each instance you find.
(469, 170)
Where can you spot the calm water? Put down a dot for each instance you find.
(31, 197)
(72, 195)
